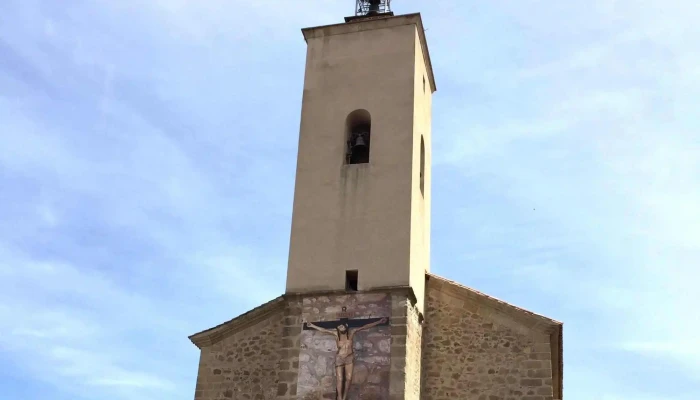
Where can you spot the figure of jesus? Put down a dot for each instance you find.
(345, 357)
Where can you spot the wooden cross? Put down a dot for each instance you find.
(343, 319)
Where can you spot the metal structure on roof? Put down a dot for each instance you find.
(372, 7)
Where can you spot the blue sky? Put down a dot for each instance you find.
(147, 157)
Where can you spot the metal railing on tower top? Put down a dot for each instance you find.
(372, 7)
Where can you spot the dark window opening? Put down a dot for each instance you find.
(359, 144)
(358, 137)
(424, 84)
(422, 166)
(351, 280)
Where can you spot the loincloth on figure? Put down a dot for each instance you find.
(341, 360)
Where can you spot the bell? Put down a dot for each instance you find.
(360, 151)
(360, 142)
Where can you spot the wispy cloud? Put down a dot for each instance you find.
(604, 169)
(147, 161)
(121, 221)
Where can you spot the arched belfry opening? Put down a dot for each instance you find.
(422, 165)
(358, 127)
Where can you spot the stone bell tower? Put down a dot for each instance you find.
(361, 218)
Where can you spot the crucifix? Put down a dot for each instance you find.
(344, 330)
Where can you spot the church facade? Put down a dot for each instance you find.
(362, 316)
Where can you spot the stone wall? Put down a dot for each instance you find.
(267, 354)
(466, 355)
(406, 333)
(464, 349)
(317, 375)
(414, 354)
(288, 367)
(243, 365)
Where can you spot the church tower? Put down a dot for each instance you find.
(362, 316)
(361, 216)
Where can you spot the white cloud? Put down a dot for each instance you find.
(130, 222)
(114, 237)
(608, 155)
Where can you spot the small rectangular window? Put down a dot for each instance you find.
(351, 280)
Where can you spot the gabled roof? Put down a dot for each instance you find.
(513, 317)
(215, 334)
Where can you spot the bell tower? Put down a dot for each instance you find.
(361, 215)
(361, 316)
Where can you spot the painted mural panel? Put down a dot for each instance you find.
(345, 347)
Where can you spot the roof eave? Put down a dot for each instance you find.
(213, 335)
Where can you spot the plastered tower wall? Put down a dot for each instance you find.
(421, 171)
(370, 217)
